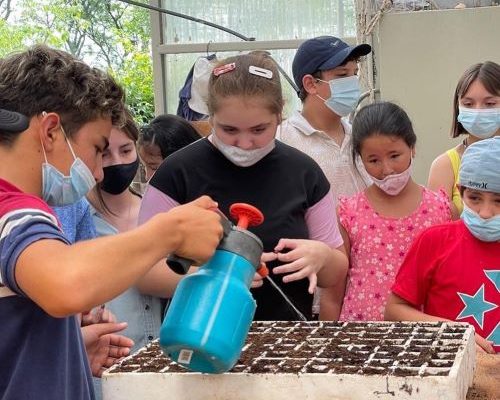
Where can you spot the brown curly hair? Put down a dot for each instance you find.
(44, 79)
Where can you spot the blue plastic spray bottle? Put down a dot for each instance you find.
(211, 311)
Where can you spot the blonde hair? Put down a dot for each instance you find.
(240, 82)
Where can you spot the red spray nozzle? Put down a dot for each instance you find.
(246, 215)
(263, 270)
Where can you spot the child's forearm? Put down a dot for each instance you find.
(398, 309)
(334, 269)
(331, 302)
(329, 311)
(65, 280)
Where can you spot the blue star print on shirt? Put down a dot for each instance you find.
(494, 276)
(475, 306)
(495, 335)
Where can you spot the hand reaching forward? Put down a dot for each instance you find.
(98, 315)
(305, 259)
(483, 345)
(258, 279)
(104, 347)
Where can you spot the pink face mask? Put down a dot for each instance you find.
(394, 184)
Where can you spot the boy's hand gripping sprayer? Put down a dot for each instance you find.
(211, 311)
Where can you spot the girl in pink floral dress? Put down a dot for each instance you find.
(380, 223)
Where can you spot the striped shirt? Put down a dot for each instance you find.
(39, 353)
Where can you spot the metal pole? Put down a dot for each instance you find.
(201, 21)
(340, 18)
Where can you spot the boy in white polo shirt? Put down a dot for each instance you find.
(325, 70)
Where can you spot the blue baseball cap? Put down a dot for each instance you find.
(480, 168)
(323, 53)
(11, 121)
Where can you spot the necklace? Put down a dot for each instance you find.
(465, 142)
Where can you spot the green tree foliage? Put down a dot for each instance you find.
(11, 37)
(107, 34)
(117, 37)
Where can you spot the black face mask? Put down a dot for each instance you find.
(117, 178)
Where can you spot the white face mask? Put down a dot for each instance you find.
(240, 157)
(394, 184)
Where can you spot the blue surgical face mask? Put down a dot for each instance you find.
(60, 190)
(344, 95)
(486, 230)
(482, 123)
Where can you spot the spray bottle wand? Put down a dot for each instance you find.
(264, 272)
(248, 216)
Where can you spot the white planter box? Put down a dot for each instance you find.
(329, 361)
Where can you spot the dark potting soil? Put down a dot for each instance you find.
(400, 349)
